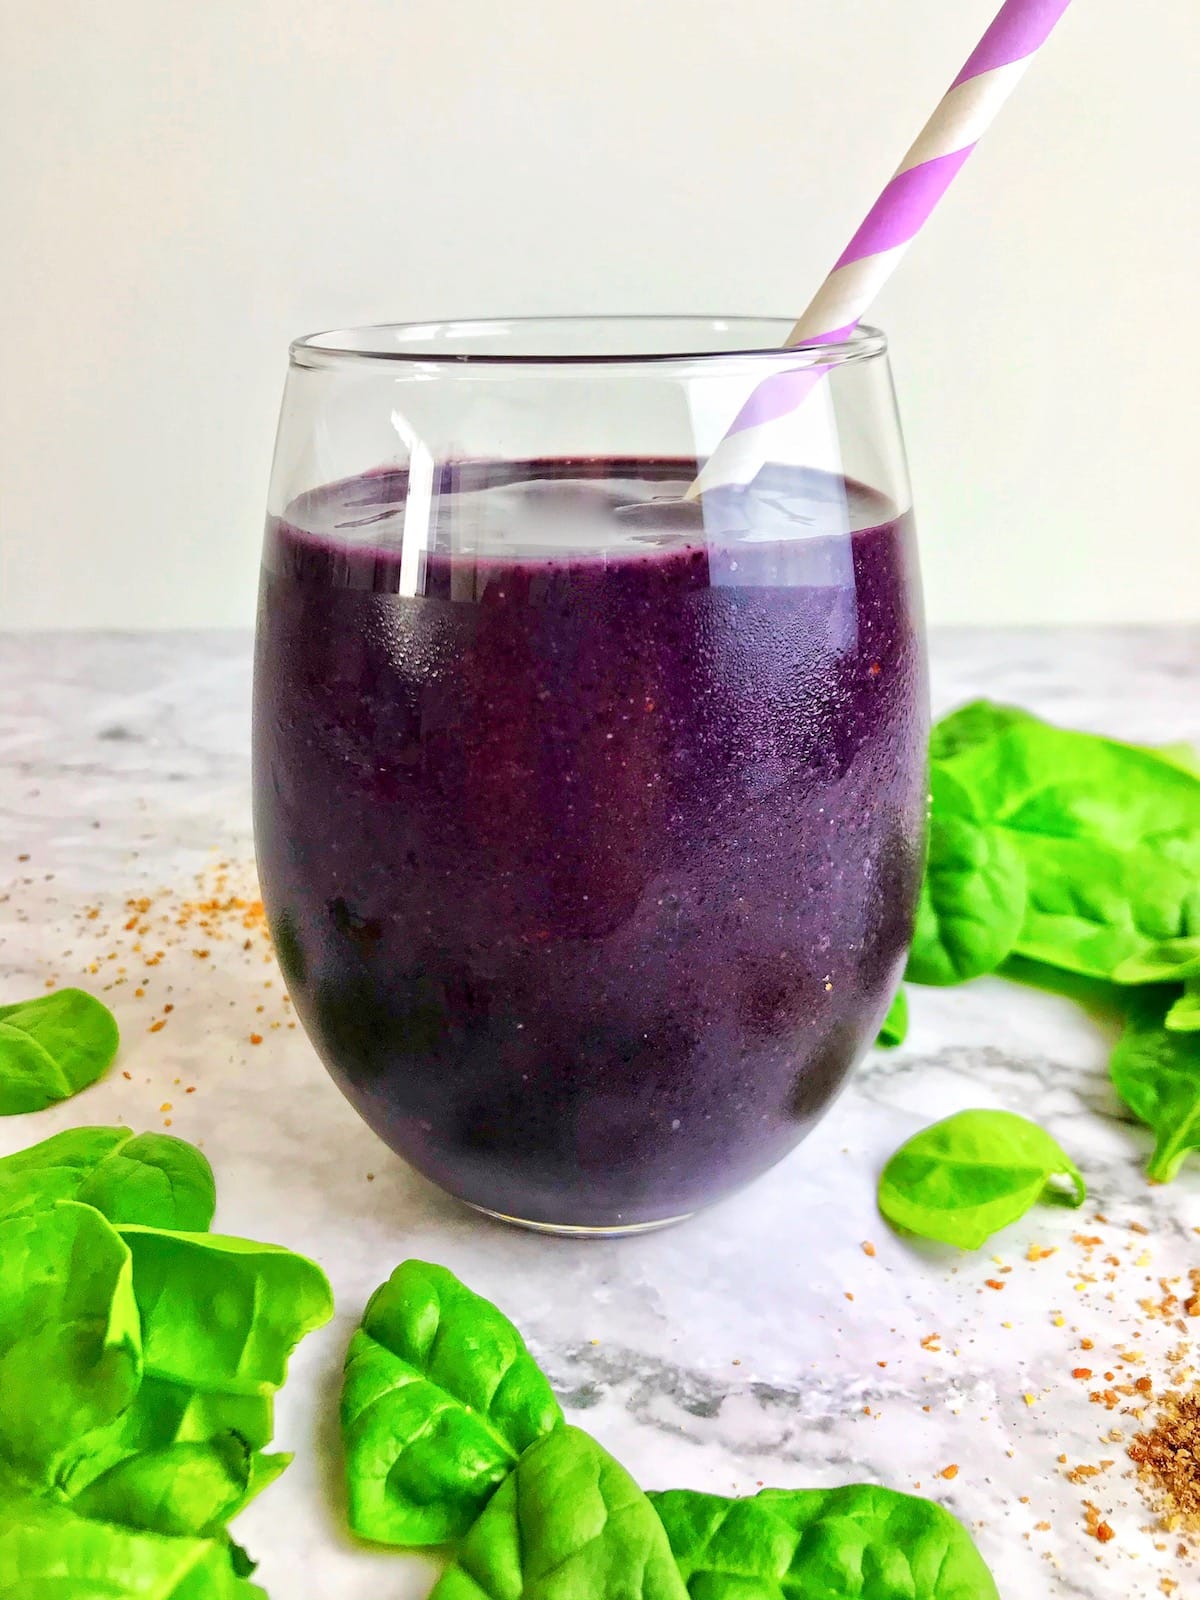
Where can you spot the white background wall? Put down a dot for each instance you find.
(184, 186)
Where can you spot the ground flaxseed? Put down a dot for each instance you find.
(1168, 1461)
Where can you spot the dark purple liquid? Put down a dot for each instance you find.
(591, 874)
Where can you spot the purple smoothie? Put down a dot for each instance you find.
(590, 834)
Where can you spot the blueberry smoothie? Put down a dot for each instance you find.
(590, 819)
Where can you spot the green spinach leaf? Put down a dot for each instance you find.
(971, 1174)
(165, 1414)
(221, 1314)
(184, 1488)
(972, 731)
(1036, 778)
(895, 1025)
(1184, 1015)
(1181, 754)
(1156, 1071)
(70, 1339)
(1108, 833)
(147, 1178)
(972, 900)
(1169, 961)
(264, 1471)
(48, 1550)
(568, 1524)
(1093, 906)
(171, 1413)
(243, 1563)
(1099, 998)
(154, 1181)
(854, 1543)
(52, 1047)
(441, 1397)
(189, 1489)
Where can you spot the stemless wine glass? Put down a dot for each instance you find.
(589, 815)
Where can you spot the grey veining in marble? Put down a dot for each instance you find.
(757, 1343)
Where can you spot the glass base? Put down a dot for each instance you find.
(570, 1230)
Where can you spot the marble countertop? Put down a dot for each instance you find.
(785, 1337)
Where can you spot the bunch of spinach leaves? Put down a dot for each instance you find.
(1072, 861)
(454, 1439)
(139, 1359)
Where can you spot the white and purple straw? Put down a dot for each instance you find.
(1018, 31)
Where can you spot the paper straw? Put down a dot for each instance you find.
(1018, 31)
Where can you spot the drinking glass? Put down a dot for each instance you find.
(589, 812)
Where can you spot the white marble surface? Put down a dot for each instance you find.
(759, 1342)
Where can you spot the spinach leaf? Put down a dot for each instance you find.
(70, 1341)
(147, 1178)
(973, 895)
(441, 1397)
(1156, 1071)
(1037, 778)
(568, 1524)
(894, 1030)
(1169, 961)
(1093, 905)
(972, 730)
(154, 1181)
(48, 1550)
(1100, 999)
(222, 1314)
(855, 1543)
(190, 1489)
(1109, 833)
(1184, 1015)
(75, 1151)
(52, 1047)
(164, 1414)
(171, 1413)
(201, 1414)
(264, 1470)
(243, 1564)
(1181, 754)
(963, 1178)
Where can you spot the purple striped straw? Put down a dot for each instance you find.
(1018, 31)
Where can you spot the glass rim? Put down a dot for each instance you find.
(401, 343)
